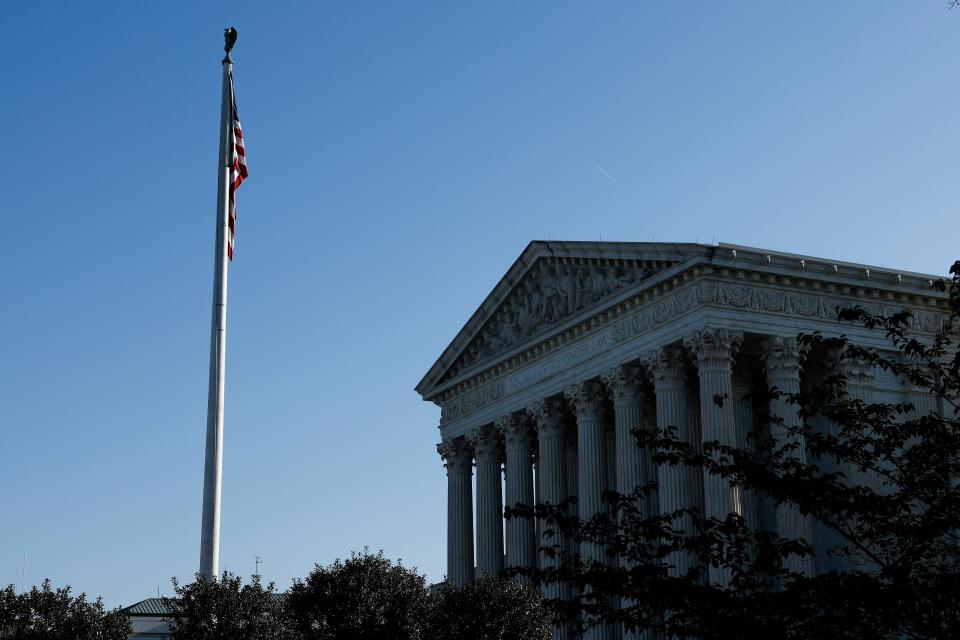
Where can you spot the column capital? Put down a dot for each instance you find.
(915, 363)
(515, 428)
(457, 455)
(714, 348)
(667, 365)
(624, 383)
(782, 357)
(857, 370)
(547, 415)
(486, 444)
(586, 396)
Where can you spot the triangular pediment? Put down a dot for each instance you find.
(550, 284)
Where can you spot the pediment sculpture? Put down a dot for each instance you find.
(551, 291)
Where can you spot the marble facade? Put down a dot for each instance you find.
(580, 342)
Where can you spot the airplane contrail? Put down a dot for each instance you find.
(603, 171)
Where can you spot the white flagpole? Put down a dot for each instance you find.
(213, 465)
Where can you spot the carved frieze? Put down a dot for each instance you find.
(678, 302)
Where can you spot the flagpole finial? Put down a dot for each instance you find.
(229, 39)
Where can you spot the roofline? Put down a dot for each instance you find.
(839, 263)
(166, 614)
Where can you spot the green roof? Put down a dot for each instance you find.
(148, 607)
(155, 607)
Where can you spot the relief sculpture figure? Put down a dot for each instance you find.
(547, 295)
(599, 276)
(584, 288)
(550, 311)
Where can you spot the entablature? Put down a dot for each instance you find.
(669, 295)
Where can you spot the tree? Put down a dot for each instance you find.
(881, 482)
(226, 609)
(490, 609)
(53, 614)
(365, 596)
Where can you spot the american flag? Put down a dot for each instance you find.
(238, 165)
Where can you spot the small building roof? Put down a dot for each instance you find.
(148, 607)
(156, 607)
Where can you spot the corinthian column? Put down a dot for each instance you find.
(458, 460)
(782, 355)
(714, 350)
(588, 400)
(488, 452)
(678, 483)
(521, 534)
(551, 472)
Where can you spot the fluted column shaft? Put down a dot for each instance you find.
(610, 442)
(714, 350)
(551, 472)
(633, 464)
(571, 450)
(743, 419)
(588, 400)
(537, 496)
(782, 355)
(488, 452)
(521, 532)
(573, 508)
(678, 483)
(859, 375)
(458, 460)
(923, 400)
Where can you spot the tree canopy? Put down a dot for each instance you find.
(46, 613)
(227, 609)
(490, 608)
(362, 597)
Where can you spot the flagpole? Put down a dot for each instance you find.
(213, 464)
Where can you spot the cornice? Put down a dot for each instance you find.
(668, 300)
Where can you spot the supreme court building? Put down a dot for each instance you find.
(580, 342)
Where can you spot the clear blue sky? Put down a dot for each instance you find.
(401, 156)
